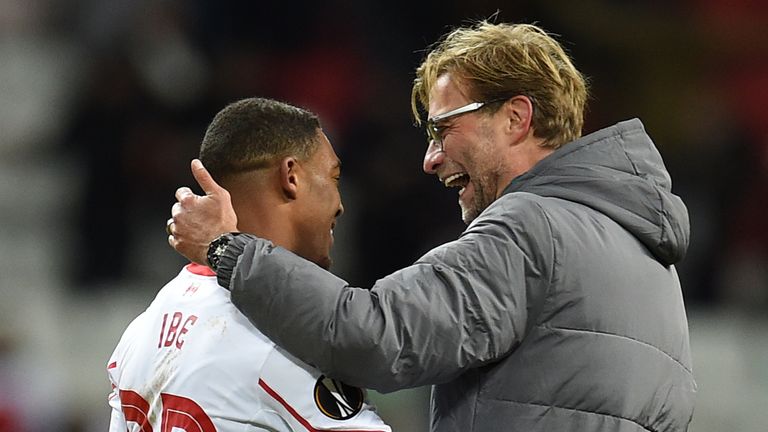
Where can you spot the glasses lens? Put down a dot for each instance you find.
(433, 135)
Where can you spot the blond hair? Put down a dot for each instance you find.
(505, 60)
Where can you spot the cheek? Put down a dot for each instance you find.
(332, 199)
(484, 158)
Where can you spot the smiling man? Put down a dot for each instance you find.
(482, 162)
(557, 309)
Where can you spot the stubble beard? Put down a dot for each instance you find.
(485, 195)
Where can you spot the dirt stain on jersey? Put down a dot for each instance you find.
(164, 370)
(217, 323)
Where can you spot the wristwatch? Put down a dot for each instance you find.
(217, 248)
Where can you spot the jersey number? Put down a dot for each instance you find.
(178, 412)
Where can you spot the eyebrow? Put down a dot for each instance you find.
(442, 122)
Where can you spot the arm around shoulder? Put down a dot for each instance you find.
(462, 305)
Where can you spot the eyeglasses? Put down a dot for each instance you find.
(433, 130)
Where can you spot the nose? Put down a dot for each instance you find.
(340, 210)
(433, 158)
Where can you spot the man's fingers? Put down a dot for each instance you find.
(183, 192)
(176, 209)
(204, 179)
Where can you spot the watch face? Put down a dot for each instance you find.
(216, 249)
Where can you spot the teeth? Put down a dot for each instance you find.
(451, 178)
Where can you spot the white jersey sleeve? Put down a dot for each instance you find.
(192, 362)
(117, 422)
(117, 419)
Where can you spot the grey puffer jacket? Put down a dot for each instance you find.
(558, 309)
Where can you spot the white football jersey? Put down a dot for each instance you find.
(192, 362)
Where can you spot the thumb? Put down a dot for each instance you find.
(204, 179)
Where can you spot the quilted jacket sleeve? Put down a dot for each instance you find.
(464, 304)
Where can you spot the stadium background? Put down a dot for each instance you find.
(104, 102)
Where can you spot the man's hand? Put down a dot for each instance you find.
(197, 220)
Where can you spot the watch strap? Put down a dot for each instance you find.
(224, 253)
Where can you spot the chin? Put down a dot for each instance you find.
(468, 215)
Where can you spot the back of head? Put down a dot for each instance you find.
(252, 133)
(495, 61)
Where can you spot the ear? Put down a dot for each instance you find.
(519, 114)
(290, 169)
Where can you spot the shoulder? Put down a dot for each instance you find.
(517, 204)
(518, 215)
(516, 226)
(185, 285)
(130, 336)
(192, 280)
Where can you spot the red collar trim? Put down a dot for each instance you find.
(199, 270)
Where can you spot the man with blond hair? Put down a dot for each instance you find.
(557, 309)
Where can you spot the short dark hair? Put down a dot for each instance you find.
(251, 133)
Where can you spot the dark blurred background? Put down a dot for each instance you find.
(104, 102)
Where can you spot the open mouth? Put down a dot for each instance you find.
(458, 180)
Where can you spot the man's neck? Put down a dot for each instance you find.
(270, 222)
(526, 156)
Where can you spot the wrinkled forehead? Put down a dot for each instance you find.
(447, 93)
